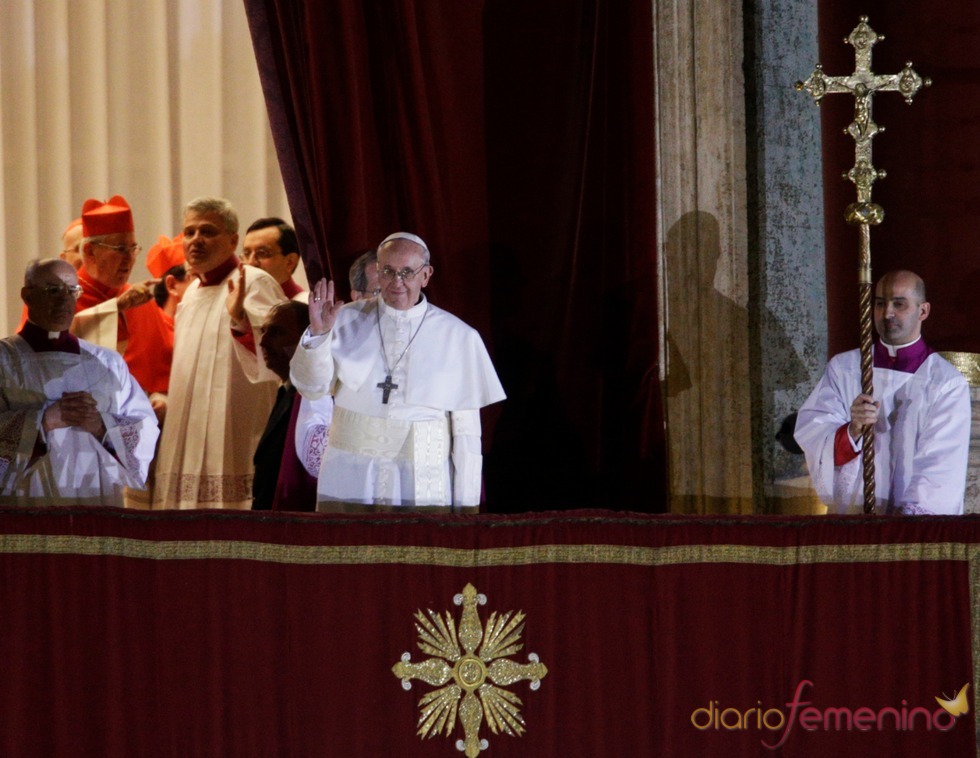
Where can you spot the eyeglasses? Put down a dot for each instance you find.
(64, 290)
(406, 274)
(370, 293)
(122, 249)
(262, 254)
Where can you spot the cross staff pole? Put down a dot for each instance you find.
(863, 84)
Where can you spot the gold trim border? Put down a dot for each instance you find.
(126, 547)
(671, 555)
(974, 575)
(967, 364)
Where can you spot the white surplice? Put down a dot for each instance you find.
(420, 448)
(922, 437)
(75, 467)
(220, 398)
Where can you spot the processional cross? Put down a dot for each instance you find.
(864, 214)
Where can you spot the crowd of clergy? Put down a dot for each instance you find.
(222, 383)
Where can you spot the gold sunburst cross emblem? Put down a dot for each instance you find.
(462, 673)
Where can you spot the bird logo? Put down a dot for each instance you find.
(958, 705)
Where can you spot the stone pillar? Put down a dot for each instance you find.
(787, 279)
(701, 194)
(741, 223)
(968, 364)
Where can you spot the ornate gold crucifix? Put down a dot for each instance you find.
(863, 84)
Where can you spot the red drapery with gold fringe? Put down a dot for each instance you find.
(210, 633)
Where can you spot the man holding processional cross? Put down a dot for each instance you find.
(897, 406)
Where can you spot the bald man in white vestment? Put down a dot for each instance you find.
(75, 427)
(920, 412)
(408, 381)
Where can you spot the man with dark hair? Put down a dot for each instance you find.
(920, 414)
(75, 428)
(281, 483)
(168, 291)
(220, 390)
(271, 245)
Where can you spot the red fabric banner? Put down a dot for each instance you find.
(211, 633)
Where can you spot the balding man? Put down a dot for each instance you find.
(76, 428)
(920, 413)
(71, 243)
(408, 381)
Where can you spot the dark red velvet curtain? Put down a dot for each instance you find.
(931, 153)
(518, 139)
(210, 633)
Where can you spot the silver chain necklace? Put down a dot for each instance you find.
(387, 385)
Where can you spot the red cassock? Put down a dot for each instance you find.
(146, 332)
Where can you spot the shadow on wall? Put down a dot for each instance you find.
(709, 399)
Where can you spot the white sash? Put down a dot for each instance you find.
(426, 444)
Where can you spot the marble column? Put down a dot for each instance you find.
(704, 267)
(786, 240)
(742, 251)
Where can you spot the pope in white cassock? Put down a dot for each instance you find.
(920, 412)
(75, 427)
(408, 381)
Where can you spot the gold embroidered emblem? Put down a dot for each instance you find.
(472, 673)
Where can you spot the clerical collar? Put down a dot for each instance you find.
(218, 274)
(43, 341)
(290, 288)
(100, 291)
(416, 311)
(907, 358)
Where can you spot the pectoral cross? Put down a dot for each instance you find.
(863, 84)
(387, 385)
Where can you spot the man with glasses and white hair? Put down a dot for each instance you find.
(75, 429)
(408, 381)
(111, 312)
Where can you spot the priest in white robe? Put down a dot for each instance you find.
(920, 412)
(75, 427)
(221, 392)
(408, 381)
